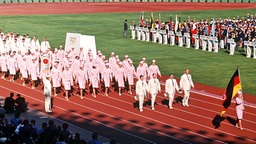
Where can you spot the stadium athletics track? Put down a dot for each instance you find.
(116, 117)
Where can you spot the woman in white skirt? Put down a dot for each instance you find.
(239, 110)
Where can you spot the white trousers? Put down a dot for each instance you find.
(165, 39)
(138, 35)
(180, 42)
(203, 45)
(254, 52)
(153, 99)
(209, 46)
(172, 40)
(143, 36)
(160, 39)
(196, 43)
(222, 44)
(47, 102)
(186, 97)
(133, 34)
(171, 97)
(216, 47)
(154, 37)
(147, 36)
(248, 52)
(232, 48)
(141, 101)
(187, 42)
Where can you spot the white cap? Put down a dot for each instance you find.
(141, 62)
(240, 92)
(112, 53)
(153, 61)
(47, 75)
(126, 56)
(143, 58)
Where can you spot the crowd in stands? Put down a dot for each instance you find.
(228, 33)
(23, 131)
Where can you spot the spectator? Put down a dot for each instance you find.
(65, 134)
(52, 133)
(9, 103)
(16, 120)
(35, 129)
(77, 140)
(42, 133)
(25, 132)
(21, 104)
(94, 139)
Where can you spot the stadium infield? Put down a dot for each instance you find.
(118, 117)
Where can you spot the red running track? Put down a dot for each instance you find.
(118, 117)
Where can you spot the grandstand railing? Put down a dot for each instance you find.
(43, 1)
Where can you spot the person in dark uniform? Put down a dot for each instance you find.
(21, 104)
(125, 28)
(9, 103)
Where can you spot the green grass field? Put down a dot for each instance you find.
(207, 68)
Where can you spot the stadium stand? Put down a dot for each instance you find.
(15, 1)
(7, 1)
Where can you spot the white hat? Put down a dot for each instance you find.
(120, 63)
(240, 92)
(126, 56)
(112, 53)
(143, 58)
(117, 56)
(47, 75)
(60, 46)
(141, 62)
(153, 61)
(130, 61)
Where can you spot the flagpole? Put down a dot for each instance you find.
(239, 77)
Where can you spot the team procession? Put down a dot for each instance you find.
(70, 71)
(207, 35)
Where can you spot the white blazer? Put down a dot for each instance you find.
(186, 82)
(170, 86)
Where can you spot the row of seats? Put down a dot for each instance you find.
(35, 1)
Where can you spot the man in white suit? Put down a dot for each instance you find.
(141, 91)
(153, 88)
(47, 93)
(170, 87)
(186, 84)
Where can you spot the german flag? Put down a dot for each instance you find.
(232, 89)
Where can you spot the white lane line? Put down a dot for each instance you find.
(186, 112)
(214, 96)
(130, 134)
